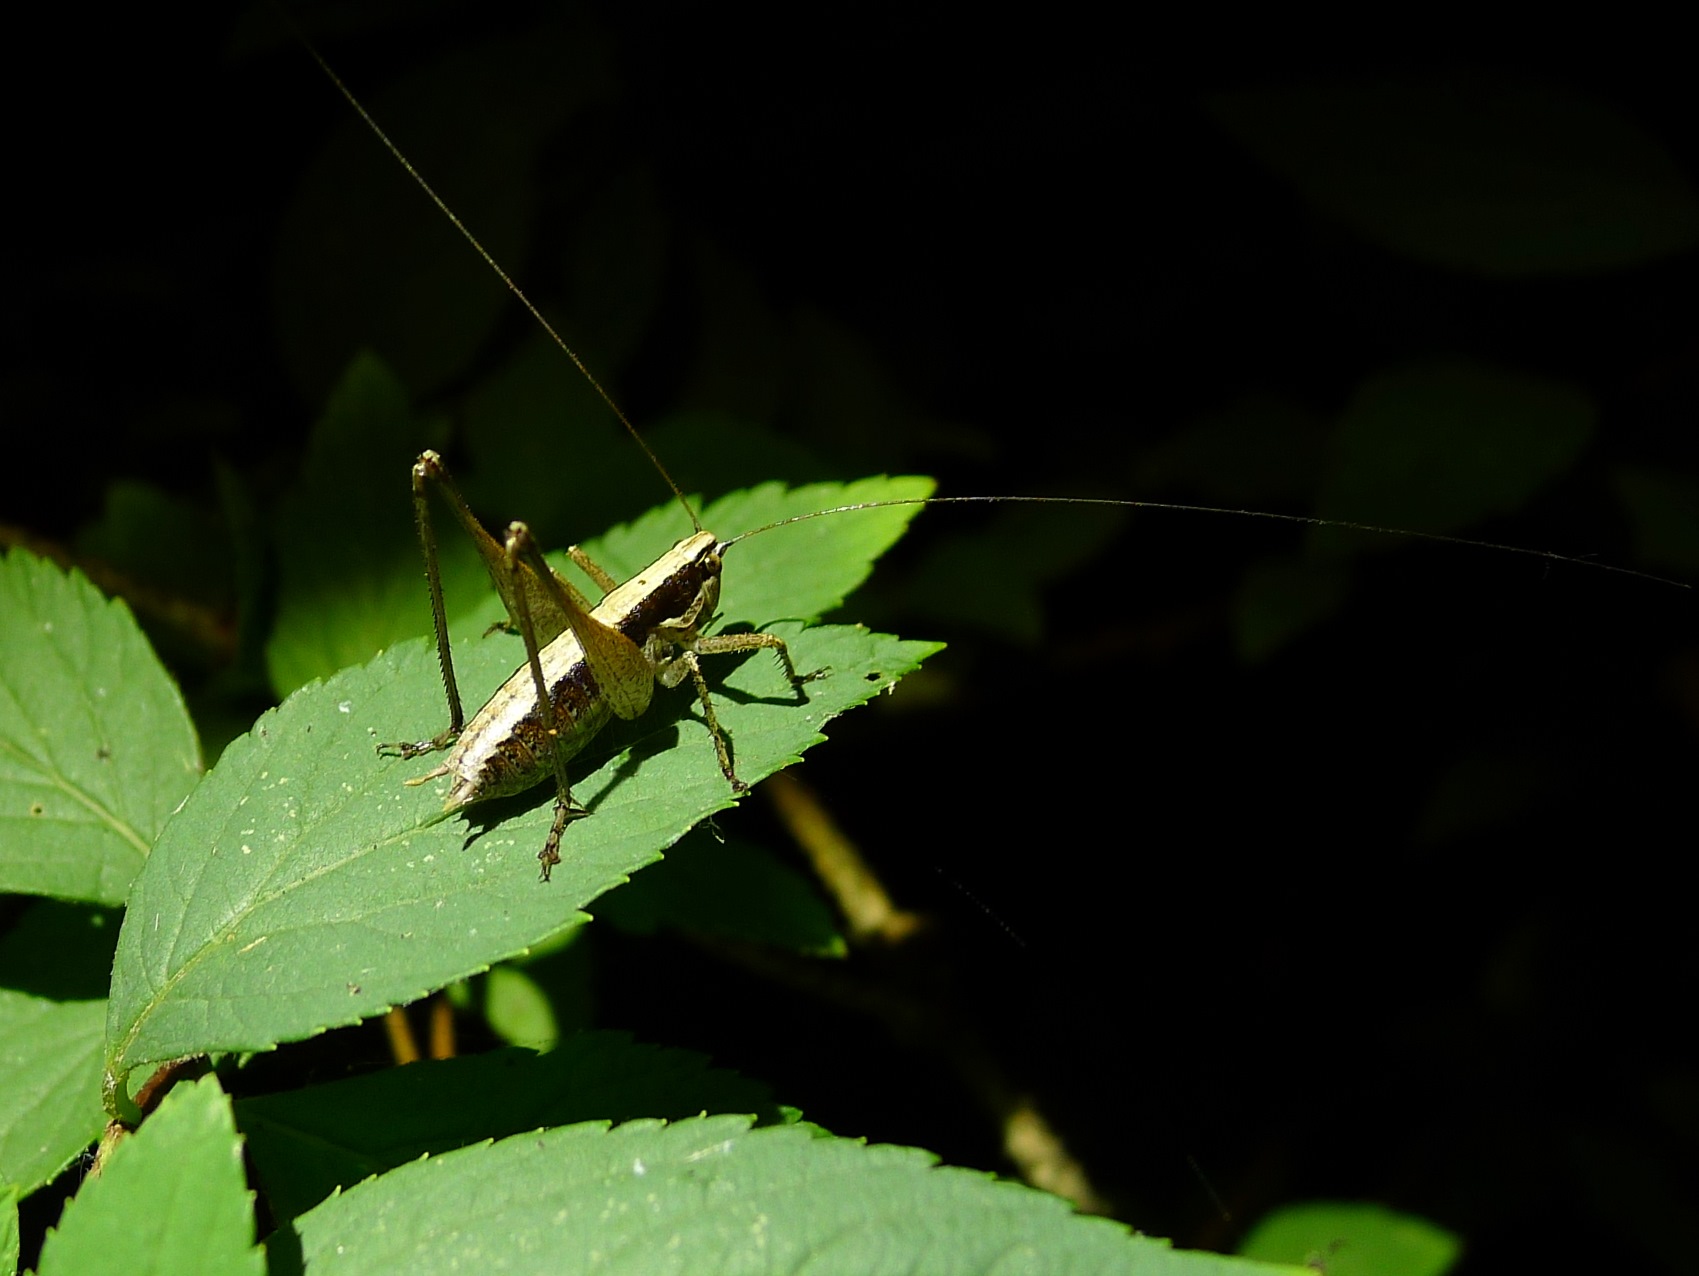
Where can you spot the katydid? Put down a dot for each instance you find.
(583, 666)
(638, 633)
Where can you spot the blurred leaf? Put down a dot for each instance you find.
(162, 540)
(991, 579)
(1347, 1239)
(708, 1194)
(1438, 446)
(1491, 173)
(544, 447)
(518, 1010)
(308, 1143)
(351, 581)
(49, 1085)
(60, 951)
(364, 260)
(172, 1198)
(1665, 512)
(615, 269)
(732, 889)
(307, 886)
(96, 747)
(547, 993)
(742, 362)
(715, 453)
(1280, 600)
(250, 555)
(1258, 450)
(850, 407)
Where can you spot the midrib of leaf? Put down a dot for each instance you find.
(81, 796)
(258, 901)
(329, 802)
(77, 677)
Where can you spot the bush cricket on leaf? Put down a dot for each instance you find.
(629, 644)
(1311, 872)
(583, 666)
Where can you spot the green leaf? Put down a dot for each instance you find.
(306, 885)
(365, 261)
(1438, 446)
(96, 747)
(716, 452)
(517, 1008)
(1665, 513)
(307, 1143)
(1259, 450)
(60, 951)
(49, 1085)
(513, 425)
(991, 578)
(161, 539)
(1489, 173)
(709, 1194)
(350, 579)
(8, 1229)
(535, 1000)
(55, 961)
(799, 572)
(171, 1198)
(1347, 1239)
(1279, 600)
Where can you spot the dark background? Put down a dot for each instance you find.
(1391, 912)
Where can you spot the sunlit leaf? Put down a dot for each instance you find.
(96, 747)
(710, 1194)
(49, 1085)
(1350, 1239)
(1437, 446)
(308, 1143)
(172, 1197)
(307, 885)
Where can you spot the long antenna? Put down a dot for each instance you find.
(1304, 519)
(501, 274)
(1307, 520)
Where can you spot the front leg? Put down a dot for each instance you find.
(670, 671)
(721, 644)
(405, 749)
